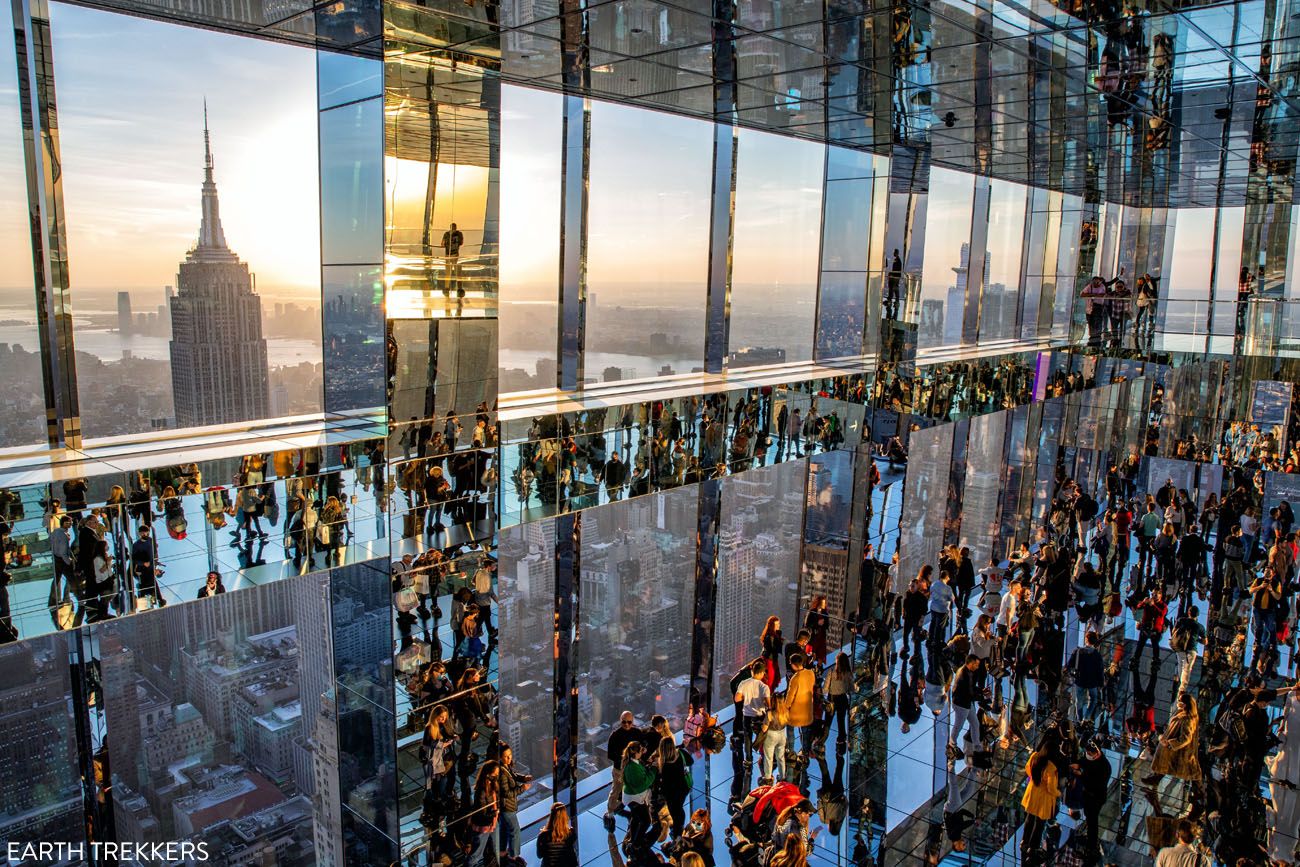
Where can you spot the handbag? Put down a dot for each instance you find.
(323, 533)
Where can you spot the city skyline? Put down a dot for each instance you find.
(131, 118)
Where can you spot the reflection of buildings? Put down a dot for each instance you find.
(527, 591)
(758, 559)
(636, 600)
(218, 354)
(206, 724)
(40, 797)
(825, 550)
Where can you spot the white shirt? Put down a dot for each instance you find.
(1007, 610)
(1180, 855)
(754, 694)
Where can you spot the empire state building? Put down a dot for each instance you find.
(219, 372)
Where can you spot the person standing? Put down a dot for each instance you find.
(966, 693)
(1185, 852)
(1042, 794)
(626, 733)
(798, 702)
(836, 687)
(1089, 676)
(638, 783)
(1185, 638)
(61, 549)
(510, 783)
(452, 240)
(674, 783)
(557, 844)
(893, 284)
(1095, 770)
(755, 698)
(941, 599)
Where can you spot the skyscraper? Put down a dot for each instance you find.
(218, 354)
(124, 321)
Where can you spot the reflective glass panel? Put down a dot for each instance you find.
(648, 242)
(1006, 240)
(531, 127)
(351, 180)
(758, 556)
(23, 418)
(636, 603)
(526, 586)
(238, 317)
(947, 250)
(774, 254)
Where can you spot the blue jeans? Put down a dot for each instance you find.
(1265, 631)
(478, 854)
(1086, 700)
(510, 833)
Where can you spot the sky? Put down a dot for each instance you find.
(130, 97)
(650, 182)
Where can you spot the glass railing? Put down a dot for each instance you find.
(1257, 325)
(92, 549)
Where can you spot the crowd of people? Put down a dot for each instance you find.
(568, 463)
(1110, 305)
(1210, 583)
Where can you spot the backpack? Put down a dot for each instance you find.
(1180, 640)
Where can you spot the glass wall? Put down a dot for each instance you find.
(531, 126)
(526, 586)
(849, 215)
(947, 253)
(648, 243)
(774, 255)
(1182, 306)
(758, 557)
(156, 223)
(223, 711)
(1006, 240)
(636, 603)
(40, 781)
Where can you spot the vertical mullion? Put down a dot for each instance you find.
(35, 58)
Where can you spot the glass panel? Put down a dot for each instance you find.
(526, 587)
(344, 78)
(241, 318)
(38, 767)
(1006, 242)
(774, 254)
(761, 529)
(209, 713)
(351, 183)
(1228, 272)
(531, 128)
(947, 250)
(648, 245)
(22, 411)
(1185, 296)
(354, 337)
(636, 605)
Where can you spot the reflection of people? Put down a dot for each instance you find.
(892, 282)
(212, 587)
(1245, 287)
(452, 240)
